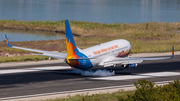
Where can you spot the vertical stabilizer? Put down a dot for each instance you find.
(70, 43)
(74, 57)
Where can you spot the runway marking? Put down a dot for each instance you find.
(138, 76)
(34, 69)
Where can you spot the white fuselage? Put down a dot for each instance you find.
(107, 51)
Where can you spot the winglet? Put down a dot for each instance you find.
(8, 41)
(172, 52)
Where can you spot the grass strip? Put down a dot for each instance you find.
(22, 58)
(146, 91)
(97, 97)
(89, 28)
(144, 37)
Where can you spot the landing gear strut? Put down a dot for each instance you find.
(111, 69)
(125, 66)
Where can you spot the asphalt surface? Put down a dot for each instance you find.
(40, 82)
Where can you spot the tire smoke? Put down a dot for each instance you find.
(98, 72)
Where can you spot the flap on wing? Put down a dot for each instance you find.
(36, 50)
(82, 58)
(133, 59)
(41, 51)
(50, 55)
(112, 63)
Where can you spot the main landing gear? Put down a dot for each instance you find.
(112, 68)
(125, 66)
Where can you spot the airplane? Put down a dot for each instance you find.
(107, 54)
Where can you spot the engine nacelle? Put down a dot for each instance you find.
(129, 65)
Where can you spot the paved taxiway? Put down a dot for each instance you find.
(39, 82)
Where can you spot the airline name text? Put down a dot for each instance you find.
(105, 49)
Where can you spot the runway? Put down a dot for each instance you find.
(37, 80)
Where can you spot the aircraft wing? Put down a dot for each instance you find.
(129, 60)
(45, 53)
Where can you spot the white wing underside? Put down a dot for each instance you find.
(129, 60)
(45, 53)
